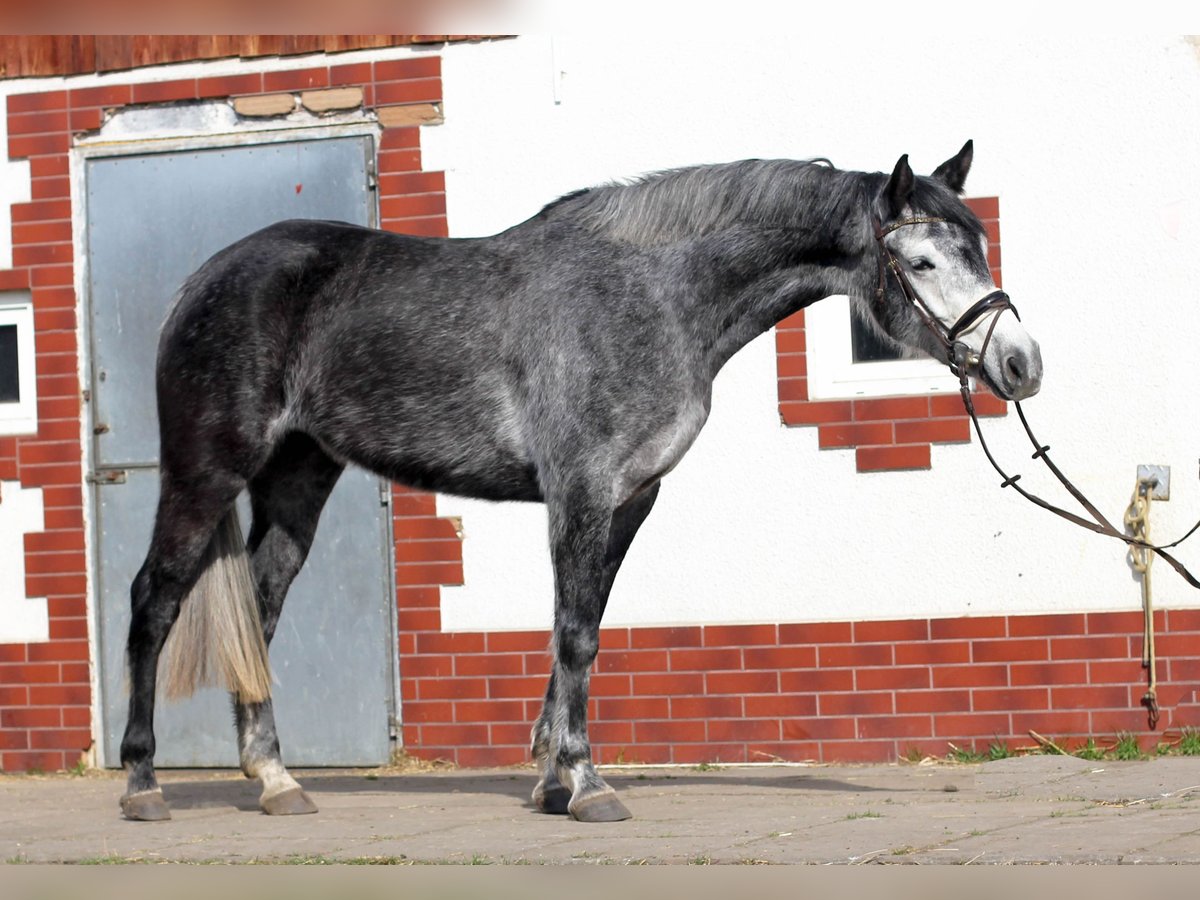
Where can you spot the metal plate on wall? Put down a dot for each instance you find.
(151, 221)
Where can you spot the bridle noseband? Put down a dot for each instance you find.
(960, 357)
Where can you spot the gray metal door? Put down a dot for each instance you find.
(152, 219)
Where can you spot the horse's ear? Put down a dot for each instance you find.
(953, 172)
(899, 188)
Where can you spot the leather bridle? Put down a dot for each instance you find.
(961, 360)
(958, 355)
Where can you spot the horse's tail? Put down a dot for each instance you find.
(218, 637)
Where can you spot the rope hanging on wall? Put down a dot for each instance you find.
(1137, 521)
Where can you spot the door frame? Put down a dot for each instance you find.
(99, 146)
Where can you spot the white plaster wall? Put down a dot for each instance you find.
(22, 619)
(14, 182)
(1091, 146)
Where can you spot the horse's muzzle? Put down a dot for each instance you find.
(1011, 373)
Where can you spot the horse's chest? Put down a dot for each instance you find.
(663, 449)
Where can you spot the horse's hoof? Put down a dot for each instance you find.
(145, 806)
(603, 807)
(553, 801)
(292, 802)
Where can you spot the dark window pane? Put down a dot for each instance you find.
(10, 387)
(865, 346)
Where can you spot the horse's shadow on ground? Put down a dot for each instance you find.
(243, 794)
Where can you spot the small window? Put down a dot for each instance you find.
(10, 380)
(866, 346)
(846, 360)
(18, 385)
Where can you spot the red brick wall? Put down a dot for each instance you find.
(887, 432)
(835, 691)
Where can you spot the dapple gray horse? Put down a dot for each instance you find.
(568, 360)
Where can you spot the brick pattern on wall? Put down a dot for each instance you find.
(45, 692)
(839, 691)
(888, 433)
(45, 688)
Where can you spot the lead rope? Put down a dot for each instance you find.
(1137, 520)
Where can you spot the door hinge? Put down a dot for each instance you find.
(393, 727)
(108, 476)
(372, 179)
(385, 493)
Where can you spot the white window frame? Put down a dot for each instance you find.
(834, 375)
(20, 417)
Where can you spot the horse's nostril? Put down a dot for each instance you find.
(1015, 369)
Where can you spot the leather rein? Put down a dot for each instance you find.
(961, 359)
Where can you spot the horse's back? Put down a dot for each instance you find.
(471, 366)
(370, 342)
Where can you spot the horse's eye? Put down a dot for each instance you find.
(921, 265)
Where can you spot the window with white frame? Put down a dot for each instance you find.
(18, 384)
(846, 359)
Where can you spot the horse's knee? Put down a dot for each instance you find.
(576, 646)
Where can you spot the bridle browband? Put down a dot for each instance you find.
(961, 359)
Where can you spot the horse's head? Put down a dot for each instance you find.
(935, 292)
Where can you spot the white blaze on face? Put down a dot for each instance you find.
(950, 272)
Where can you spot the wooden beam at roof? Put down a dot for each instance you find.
(23, 56)
(46, 54)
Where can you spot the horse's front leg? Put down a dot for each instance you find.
(577, 548)
(588, 545)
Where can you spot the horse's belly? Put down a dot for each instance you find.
(431, 453)
(486, 475)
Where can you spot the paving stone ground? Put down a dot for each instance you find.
(1031, 809)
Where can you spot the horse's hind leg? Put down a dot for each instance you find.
(286, 499)
(588, 546)
(185, 522)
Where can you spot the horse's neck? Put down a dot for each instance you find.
(742, 287)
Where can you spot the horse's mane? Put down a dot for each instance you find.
(663, 207)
